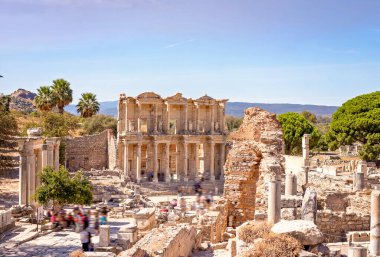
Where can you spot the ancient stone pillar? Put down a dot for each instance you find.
(212, 161)
(44, 156)
(306, 171)
(126, 125)
(357, 251)
(197, 118)
(374, 244)
(362, 168)
(197, 163)
(221, 117)
(185, 161)
(32, 178)
(125, 158)
(222, 159)
(23, 179)
(155, 162)
(104, 235)
(290, 184)
(56, 157)
(138, 163)
(167, 164)
(274, 209)
(305, 149)
(139, 117)
(168, 115)
(212, 119)
(358, 181)
(50, 156)
(186, 121)
(155, 122)
(309, 206)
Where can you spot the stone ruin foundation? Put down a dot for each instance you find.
(255, 158)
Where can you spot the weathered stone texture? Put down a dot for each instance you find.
(255, 157)
(91, 152)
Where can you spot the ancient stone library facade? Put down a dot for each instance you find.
(174, 138)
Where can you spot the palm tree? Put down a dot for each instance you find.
(87, 105)
(63, 93)
(45, 99)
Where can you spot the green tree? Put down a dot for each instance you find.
(309, 116)
(8, 130)
(88, 105)
(358, 120)
(62, 93)
(4, 103)
(57, 125)
(294, 126)
(45, 99)
(99, 123)
(233, 123)
(60, 188)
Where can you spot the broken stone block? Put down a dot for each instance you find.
(104, 235)
(309, 206)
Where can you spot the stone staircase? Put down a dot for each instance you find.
(187, 187)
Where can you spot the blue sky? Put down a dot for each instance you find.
(272, 51)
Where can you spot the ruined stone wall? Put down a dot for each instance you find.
(255, 157)
(90, 152)
(335, 225)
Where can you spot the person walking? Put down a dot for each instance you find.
(85, 238)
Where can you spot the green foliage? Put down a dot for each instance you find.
(294, 126)
(8, 129)
(88, 105)
(45, 99)
(63, 94)
(60, 188)
(233, 123)
(99, 123)
(358, 120)
(309, 116)
(56, 125)
(4, 103)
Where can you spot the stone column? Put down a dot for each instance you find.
(374, 243)
(104, 235)
(126, 125)
(50, 155)
(186, 123)
(197, 118)
(221, 120)
(357, 251)
(305, 155)
(358, 181)
(155, 162)
(212, 119)
(31, 177)
(138, 117)
(138, 163)
(362, 168)
(23, 179)
(44, 156)
(56, 157)
(168, 115)
(274, 209)
(126, 158)
(155, 125)
(306, 171)
(177, 161)
(212, 161)
(185, 161)
(196, 152)
(290, 184)
(222, 159)
(167, 164)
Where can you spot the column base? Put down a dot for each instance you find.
(212, 178)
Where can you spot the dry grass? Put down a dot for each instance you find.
(249, 232)
(77, 253)
(275, 245)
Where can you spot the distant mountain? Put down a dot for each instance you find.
(234, 108)
(22, 100)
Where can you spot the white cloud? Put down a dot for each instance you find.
(180, 43)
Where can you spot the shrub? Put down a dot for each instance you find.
(275, 245)
(98, 123)
(252, 231)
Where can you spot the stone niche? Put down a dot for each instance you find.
(256, 157)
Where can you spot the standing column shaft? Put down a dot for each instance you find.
(138, 117)
(222, 159)
(56, 157)
(155, 125)
(185, 161)
(212, 119)
(212, 161)
(32, 178)
(23, 179)
(290, 184)
(358, 181)
(155, 163)
(274, 210)
(186, 121)
(221, 118)
(197, 163)
(167, 163)
(126, 159)
(44, 156)
(126, 125)
(374, 244)
(138, 163)
(197, 127)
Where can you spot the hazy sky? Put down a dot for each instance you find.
(293, 51)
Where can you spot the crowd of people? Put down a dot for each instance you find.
(79, 219)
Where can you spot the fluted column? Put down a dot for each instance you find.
(185, 161)
(138, 117)
(212, 119)
(196, 152)
(138, 163)
(44, 156)
(126, 159)
(23, 179)
(155, 162)
(56, 157)
(126, 125)
(212, 161)
(32, 177)
(197, 118)
(186, 123)
(155, 125)
(222, 159)
(167, 164)
(221, 119)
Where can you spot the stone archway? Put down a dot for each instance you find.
(255, 157)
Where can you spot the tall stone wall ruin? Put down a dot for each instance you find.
(256, 157)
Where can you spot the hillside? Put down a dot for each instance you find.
(235, 108)
(22, 100)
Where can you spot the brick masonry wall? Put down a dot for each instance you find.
(335, 225)
(90, 152)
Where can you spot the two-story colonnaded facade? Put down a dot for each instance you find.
(171, 139)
